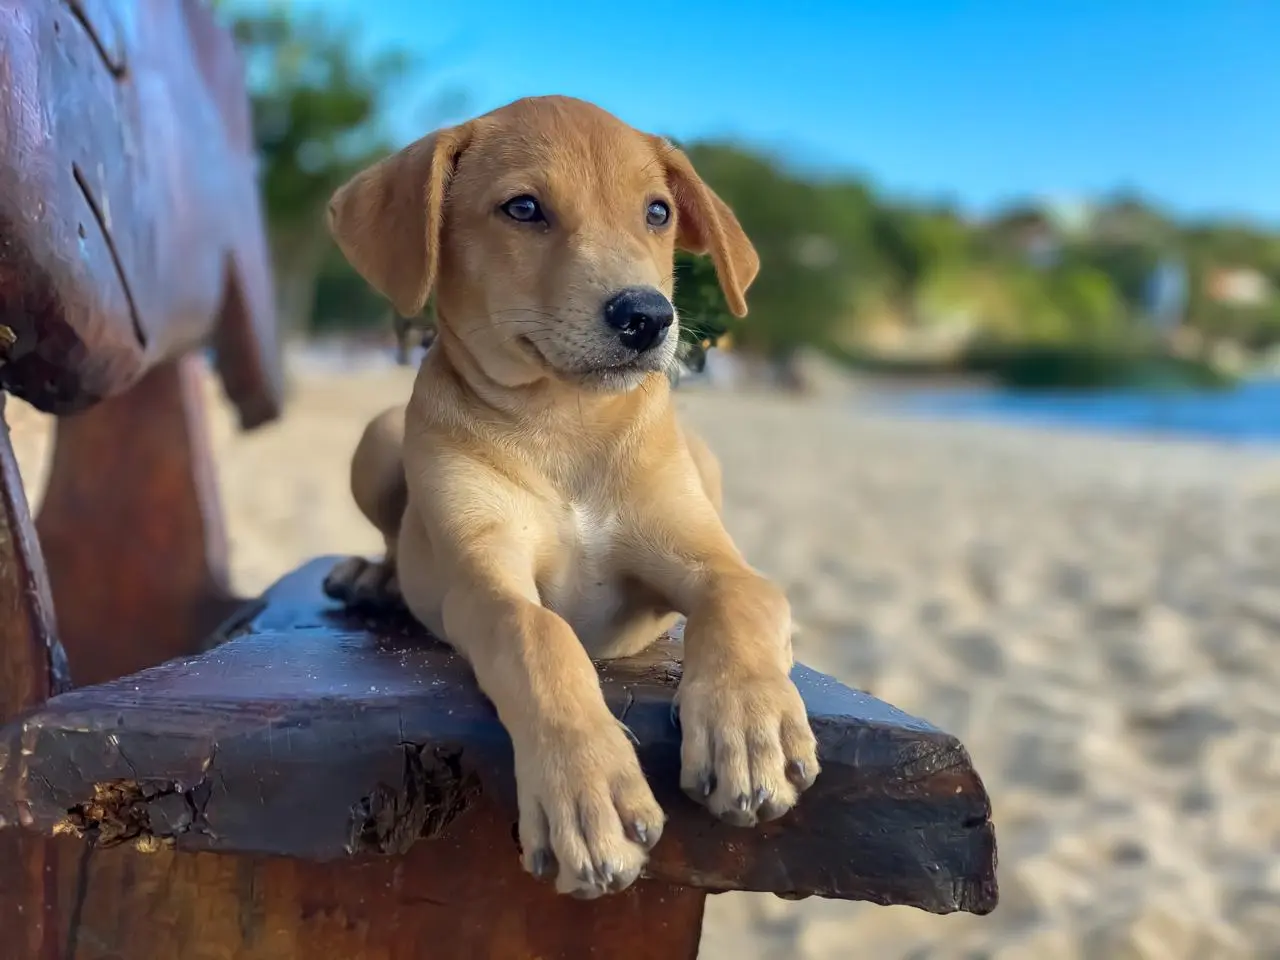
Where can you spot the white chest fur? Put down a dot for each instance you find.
(583, 585)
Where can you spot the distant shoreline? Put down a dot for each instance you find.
(1248, 414)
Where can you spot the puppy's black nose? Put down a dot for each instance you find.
(641, 315)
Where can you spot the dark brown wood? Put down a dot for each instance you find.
(316, 735)
(32, 668)
(461, 898)
(130, 225)
(132, 527)
(33, 665)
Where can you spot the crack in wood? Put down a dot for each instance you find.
(81, 896)
(433, 793)
(98, 217)
(115, 65)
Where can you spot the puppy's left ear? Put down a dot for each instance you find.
(388, 218)
(705, 224)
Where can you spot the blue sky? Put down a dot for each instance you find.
(976, 102)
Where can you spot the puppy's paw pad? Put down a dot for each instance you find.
(748, 751)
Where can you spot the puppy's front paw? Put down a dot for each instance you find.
(748, 751)
(587, 815)
(364, 584)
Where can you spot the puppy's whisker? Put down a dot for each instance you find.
(535, 324)
(520, 336)
(534, 321)
(547, 313)
(473, 336)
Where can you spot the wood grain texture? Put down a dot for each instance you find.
(33, 665)
(315, 735)
(462, 898)
(132, 527)
(130, 224)
(32, 668)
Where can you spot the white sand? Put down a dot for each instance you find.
(1099, 620)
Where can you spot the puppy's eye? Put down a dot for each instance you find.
(658, 213)
(525, 209)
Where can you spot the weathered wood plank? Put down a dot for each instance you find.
(33, 665)
(312, 734)
(132, 528)
(130, 224)
(32, 668)
(463, 897)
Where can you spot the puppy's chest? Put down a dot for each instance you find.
(581, 582)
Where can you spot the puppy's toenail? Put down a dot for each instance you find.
(638, 833)
(543, 864)
(796, 771)
(744, 802)
(708, 785)
(761, 796)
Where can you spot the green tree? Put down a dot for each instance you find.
(804, 241)
(319, 115)
(1090, 303)
(1127, 264)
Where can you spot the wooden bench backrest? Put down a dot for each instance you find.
(130, 224)
(131, 235)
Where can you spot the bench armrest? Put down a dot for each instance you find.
(314, 734)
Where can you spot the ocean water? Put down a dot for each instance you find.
(1248, 414)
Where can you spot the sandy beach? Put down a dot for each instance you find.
(1098, 619)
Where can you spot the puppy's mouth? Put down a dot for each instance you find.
(620, 376)
(607, 370)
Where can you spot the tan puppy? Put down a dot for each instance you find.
(541, 504)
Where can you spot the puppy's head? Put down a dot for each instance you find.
(547, 230)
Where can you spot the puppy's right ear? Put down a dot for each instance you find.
(387, 218)
(705, 224)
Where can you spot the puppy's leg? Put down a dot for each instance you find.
(587, 815)
(747, 748)
(379, 488)
(708, 468)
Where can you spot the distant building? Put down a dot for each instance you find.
(1038, 230)
(1238, 286)
(1041, 247)
(1030, 232)
(1069, 215)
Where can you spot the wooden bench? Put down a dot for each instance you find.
(298, 782)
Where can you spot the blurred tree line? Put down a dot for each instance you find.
(842, 266)
(320, 110)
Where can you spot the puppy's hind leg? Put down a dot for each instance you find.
(379, 488)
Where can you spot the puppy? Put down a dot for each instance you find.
(540, 502)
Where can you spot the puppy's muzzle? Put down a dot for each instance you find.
(641, 315)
